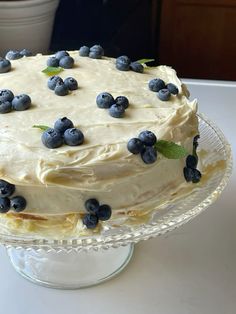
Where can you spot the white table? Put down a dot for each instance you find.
(189, 271)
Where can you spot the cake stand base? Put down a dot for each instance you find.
(70, 270)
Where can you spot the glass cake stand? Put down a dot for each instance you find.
(85, 261)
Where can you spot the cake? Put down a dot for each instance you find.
(56, 183)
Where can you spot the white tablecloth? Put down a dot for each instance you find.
(189, 271)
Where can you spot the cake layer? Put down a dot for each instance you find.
(59, 181)
(135, 191)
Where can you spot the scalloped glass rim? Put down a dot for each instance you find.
(122, 236)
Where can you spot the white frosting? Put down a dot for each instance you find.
(58, 181)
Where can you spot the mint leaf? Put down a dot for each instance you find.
(41, 127)
(142, 61)
(52, 70)
(170, 150)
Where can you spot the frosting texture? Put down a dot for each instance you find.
(58, 181)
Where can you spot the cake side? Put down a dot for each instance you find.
(59, 181)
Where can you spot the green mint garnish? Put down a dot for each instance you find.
(41, 127)
(170, 150)
(144, 61)
(52, 70)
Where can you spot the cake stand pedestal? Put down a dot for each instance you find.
(70, 270)
(89, 260)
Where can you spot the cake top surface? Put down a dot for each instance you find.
(24, 160)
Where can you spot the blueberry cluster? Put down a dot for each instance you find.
(63, 132)
(62, 59)
(18, 54)
(144, 145)
(123, 63)
(116, 106)
(60, 87)
(5, 65)
(17, 203)
(95, 213)
(9, 102)
(163, 90)
(95, 52)
(191, 173)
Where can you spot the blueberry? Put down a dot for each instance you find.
(18, 203)
(73, 137)
(61, 89)
(188, 174)
(195, 141)
(104, 212)
(66, 62)
(148, 138)
(164, 94)
(156, 84)
(21, 102)
(172, 88)
(122, 100)
(5, 65)
(135, 146)
(60, 54)
(53, 80)
(90, 221)
(196, 138)
(52, 62)
(136, 67)
(123, 63)
(71, 83)
(6, 95)
(4, 205)
(63, 124)
(196, 176)
(104, 100)
(26, 53)
(97, 49)
(92, 205)
(94, 55)
(191, 162)
(6, 188)
(193, 175)
(84, 51)
(13, 55)
(51, 138)
(5, 107)
(149, 155)
(117, 111)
